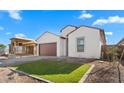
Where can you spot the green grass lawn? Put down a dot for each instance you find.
(55, 71)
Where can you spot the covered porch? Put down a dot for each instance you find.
(22, 46)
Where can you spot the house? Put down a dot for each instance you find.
(82, 42)
(121, 42)
(22, 46)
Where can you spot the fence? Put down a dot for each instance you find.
(113, 53)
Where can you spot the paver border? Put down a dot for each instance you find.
(34, 77)
(86, 74)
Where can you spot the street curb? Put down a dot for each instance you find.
(86, 74)
(34, 77)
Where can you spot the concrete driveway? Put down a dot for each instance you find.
(10, 62)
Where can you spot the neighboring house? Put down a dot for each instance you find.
(83, 42)
(121, 42)
(22, 46)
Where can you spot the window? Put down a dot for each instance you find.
(80, 44)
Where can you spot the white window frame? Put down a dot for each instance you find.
(77, 44)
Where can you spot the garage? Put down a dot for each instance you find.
(47, 49)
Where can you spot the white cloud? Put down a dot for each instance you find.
(20, 35)
(85, 15)
(8, 33)
(15, 14)
(1, 28)
(109, 33)
(109, 20)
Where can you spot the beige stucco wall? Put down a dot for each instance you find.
(92, 48)
(67, 30)
(49, 38)
(62, 47)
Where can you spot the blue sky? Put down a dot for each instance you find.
(32, 23)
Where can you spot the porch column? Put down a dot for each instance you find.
(14, 48)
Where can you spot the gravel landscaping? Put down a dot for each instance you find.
(106, 72)
(8, 76)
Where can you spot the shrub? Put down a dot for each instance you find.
(113, 53)
(2, 46)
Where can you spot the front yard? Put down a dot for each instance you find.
(55, 71)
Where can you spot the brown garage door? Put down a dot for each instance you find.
(48, 49)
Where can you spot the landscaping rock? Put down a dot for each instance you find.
(104, 72)
(8, 76)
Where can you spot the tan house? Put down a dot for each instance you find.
(83, 42)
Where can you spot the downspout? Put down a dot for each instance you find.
(67, 46)
(39, 49)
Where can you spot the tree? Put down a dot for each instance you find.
(2, 46)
